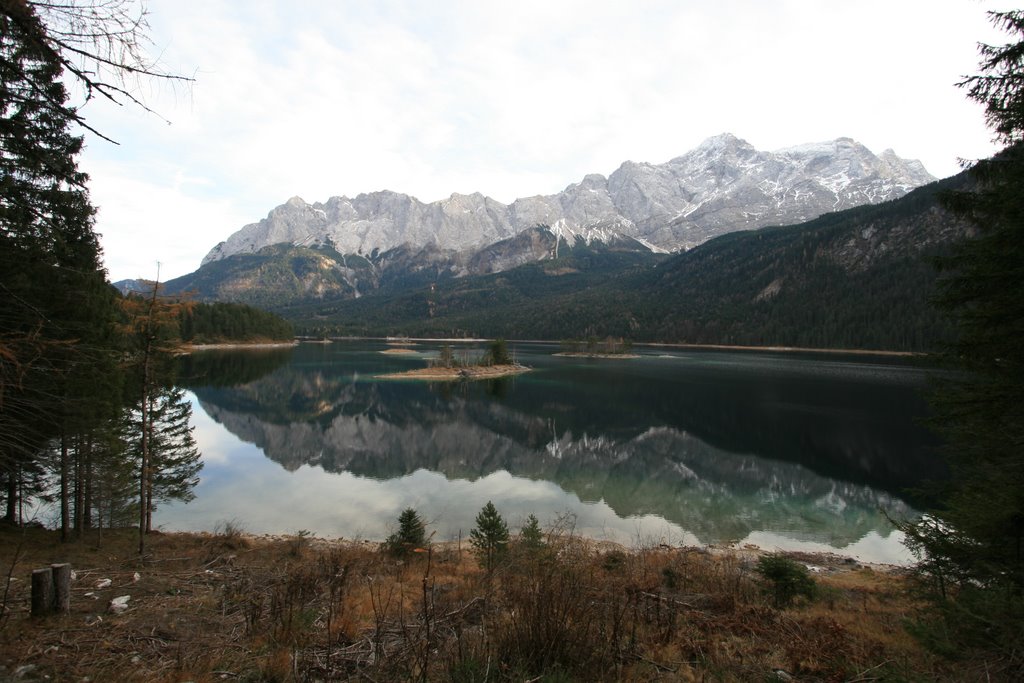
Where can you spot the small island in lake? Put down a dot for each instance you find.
(610, 347)
(441, 373)
(495, 362)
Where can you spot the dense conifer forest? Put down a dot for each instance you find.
(90, 418)
(207, 323)
(819, 284)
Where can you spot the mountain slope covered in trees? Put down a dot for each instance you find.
(206, 323)
(860, 278)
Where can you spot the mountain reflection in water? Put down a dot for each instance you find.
(688, 447)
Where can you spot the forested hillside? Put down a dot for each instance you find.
(861, 278)
(206, 323)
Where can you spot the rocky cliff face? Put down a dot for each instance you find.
(721, 186)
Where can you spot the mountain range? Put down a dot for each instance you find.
(723, 185)
(861, 278)
(714, 246)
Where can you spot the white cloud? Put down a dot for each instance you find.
(329, 98)
(150, 215)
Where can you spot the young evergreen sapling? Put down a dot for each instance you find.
(411, 534)
(530, 536)
(490, 537)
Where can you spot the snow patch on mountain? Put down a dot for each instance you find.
(722, 185)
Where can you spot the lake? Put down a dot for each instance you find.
(677, 446)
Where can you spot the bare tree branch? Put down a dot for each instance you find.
(102, 44)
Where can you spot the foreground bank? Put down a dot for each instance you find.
(226, 606)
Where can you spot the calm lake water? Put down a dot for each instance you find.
(794, 451)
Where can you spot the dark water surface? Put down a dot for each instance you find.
(676, 446)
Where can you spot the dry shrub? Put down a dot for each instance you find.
(553, 615)
(231, 534)
(569, 610)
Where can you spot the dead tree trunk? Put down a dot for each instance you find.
(51, 590)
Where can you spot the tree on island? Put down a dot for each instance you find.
(972, 546)
(497, 353)
(446, 357)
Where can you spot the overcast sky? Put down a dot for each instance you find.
(322, 98)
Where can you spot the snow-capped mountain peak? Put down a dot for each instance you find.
(722, 185)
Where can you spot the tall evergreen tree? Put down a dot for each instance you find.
(114, 488)
(55, 324)
(152, 329)
(59, 384)
(972, 548)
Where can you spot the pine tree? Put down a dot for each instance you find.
(490, 537)
(176, 458)
(972, 547)
(497, 353)
(411, 534)
(530, 536)
(55, 326)
(115, 483)
(152, 333)
(173, 458)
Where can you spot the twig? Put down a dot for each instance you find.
(663, 598)
(663, 667)
(458, 612)
(862, 674)
(10, 575)
(184, 559)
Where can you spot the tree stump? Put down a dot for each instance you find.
(61, 588)
(42, 592)
(51, 590)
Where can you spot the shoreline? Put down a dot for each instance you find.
(584, 354)
(785, 349)
(816, 561)
(186, 349)
(678, 345)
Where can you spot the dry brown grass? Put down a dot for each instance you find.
(228, 607)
